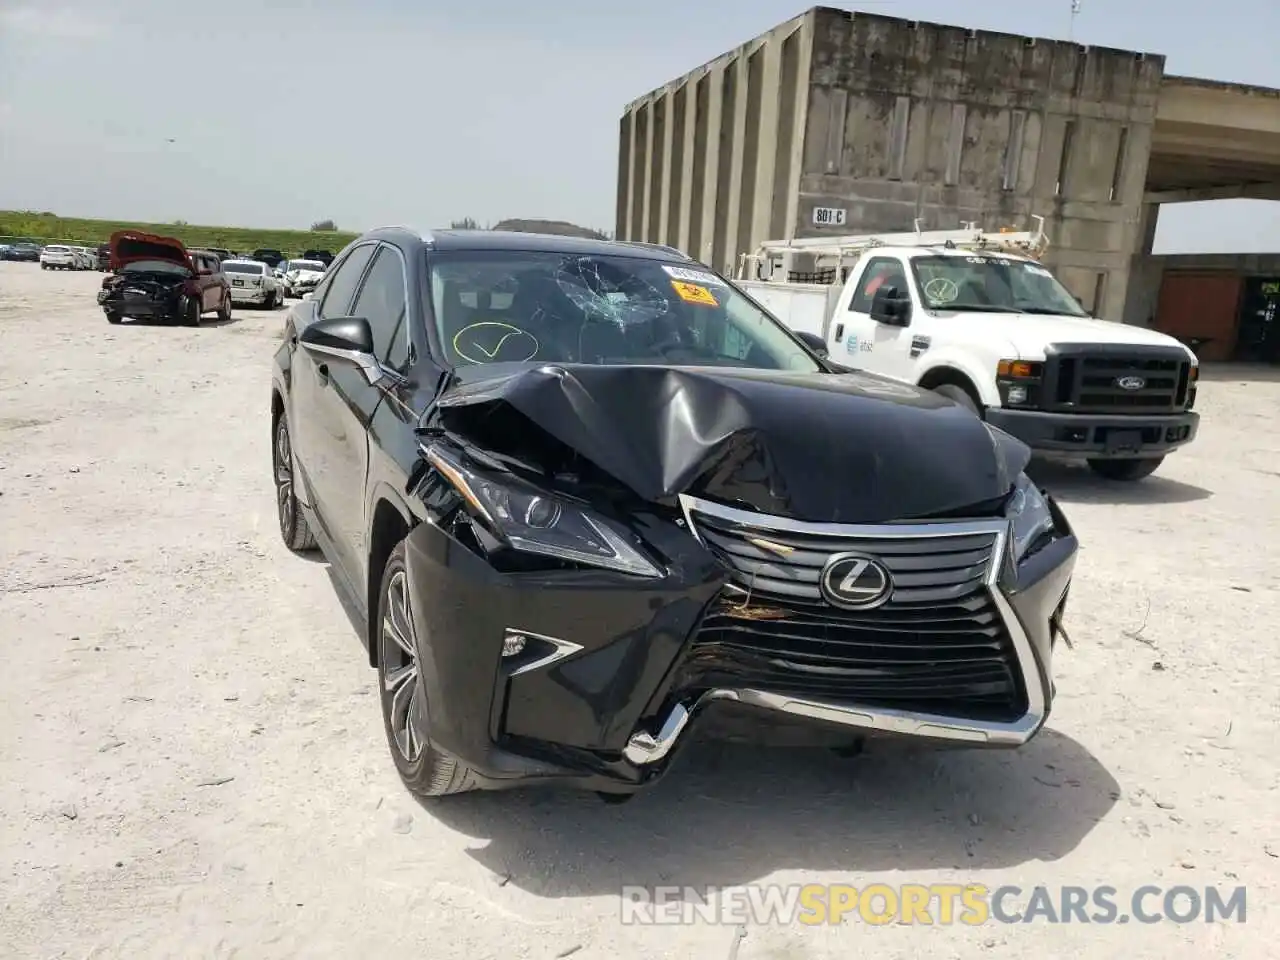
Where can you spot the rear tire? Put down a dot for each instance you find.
(960, 396)
(1125, 470)
(224, 311)
(426, 771)
(294, 531)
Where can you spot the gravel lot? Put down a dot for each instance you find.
(192, 762)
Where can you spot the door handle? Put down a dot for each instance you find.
(839, 331)
(322, 371)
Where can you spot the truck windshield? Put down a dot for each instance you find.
(516, 306)
(992, 283)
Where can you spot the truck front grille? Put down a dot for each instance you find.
(938, 645)
(1116, 380)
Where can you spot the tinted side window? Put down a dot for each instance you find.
(880, 272)
(343, 282)
(381, 302)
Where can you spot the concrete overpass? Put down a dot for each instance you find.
(1214, 141)
(839, 122)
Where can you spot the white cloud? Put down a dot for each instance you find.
(52, 21)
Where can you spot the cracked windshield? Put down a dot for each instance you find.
(601, 309)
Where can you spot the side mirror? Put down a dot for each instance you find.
(347, 340)
(813, 342)
(892, 307)
(339, 337)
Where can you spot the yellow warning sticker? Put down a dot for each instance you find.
(693, 293)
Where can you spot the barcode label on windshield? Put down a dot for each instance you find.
(694, 276)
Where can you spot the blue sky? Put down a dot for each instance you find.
(420, 112)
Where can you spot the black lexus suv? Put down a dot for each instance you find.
(588, 497)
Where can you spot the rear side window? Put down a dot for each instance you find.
(343, 281)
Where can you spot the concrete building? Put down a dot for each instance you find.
(839, 122)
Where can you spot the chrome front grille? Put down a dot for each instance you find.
(938, 645)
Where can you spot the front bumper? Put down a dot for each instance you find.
(616, 672)
(139, 308)
(1066, 435)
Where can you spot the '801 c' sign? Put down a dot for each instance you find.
(830, 216)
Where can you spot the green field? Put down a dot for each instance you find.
(25, 225)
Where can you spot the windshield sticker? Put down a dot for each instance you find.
(942, 290)
(694, 276)
(692, 293)
(1038, 271)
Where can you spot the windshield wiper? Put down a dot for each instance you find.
(1050, 312)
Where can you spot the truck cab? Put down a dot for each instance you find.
(979, 319)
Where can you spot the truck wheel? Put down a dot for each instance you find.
(1128, 470)
(958, 395)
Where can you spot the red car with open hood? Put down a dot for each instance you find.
(157, 278)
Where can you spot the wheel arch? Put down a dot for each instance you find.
(390, 522)
(946, 374)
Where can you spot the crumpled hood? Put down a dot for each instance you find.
(851, 448)
(130, 246)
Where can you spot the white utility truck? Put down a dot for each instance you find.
(977, 318)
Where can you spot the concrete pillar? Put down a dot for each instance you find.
(667, 108)
(646, 205)
(711, 188)
(766, 152)
(731, 201)
(687, 134)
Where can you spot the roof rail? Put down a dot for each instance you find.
(846, 250)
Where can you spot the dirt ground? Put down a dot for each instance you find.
(192, 761)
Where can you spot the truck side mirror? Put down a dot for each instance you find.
(891, 306)
(813, 342)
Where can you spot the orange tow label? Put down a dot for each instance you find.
(693, 293)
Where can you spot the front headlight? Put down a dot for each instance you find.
(1032, 519)
(532, 521)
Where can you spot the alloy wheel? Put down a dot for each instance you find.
(399, 662)
(285, 505)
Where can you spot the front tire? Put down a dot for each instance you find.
(1125, 470)
(294, 531)
(191, 312)
(960, 396)
(426, 771)
(113, 317)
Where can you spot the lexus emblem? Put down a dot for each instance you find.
(855, 582)
(1130, 383)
